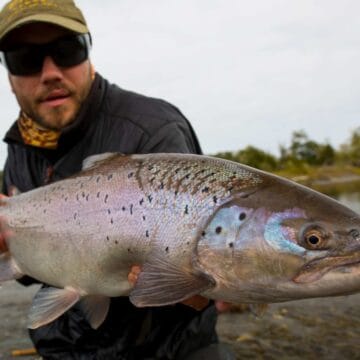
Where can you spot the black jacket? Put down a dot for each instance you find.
(112, 120)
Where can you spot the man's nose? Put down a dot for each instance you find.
(50, 71)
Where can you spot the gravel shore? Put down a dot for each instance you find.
(318, 329)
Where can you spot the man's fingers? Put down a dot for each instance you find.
(196, 302)
(4, 234)
(3, 246)
(133, 274)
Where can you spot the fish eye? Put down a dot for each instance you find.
(314, 239)
(355, 233)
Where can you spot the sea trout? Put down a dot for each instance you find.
(195, 224)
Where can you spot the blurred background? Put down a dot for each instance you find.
(243, 72)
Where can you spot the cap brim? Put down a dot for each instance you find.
(69, 24)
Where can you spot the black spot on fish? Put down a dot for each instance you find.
(186, 212)
(150, 198)
(187, 176)
(231, 245)
(75, 216)
(130, 175)
(205, 190)
(44, 211)
(167, 249)
(152, 180)
(107, 238)
(150, 167)
(141, 201)
(83, 194)
(242, 216)
(177, 170)
(215, 199)
(161, 186)
(106, 198)
(123, 208)
(147, 233)
(144, 218)
(98, 194)
(131, 209)
(98, 179)
(87, 197)
(116, 242)
(109, 211)
(112, 220)
(129, 250)
(110, 177)
(218, 230)
(203, 233)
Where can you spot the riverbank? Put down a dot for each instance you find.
(314, 329)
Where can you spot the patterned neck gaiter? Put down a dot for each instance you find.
(35, 136)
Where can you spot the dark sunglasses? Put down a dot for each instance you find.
(28, 59)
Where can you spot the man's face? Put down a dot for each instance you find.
(53, 96)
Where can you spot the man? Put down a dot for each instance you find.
(67, 113)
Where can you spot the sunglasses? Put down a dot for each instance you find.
(28, 59)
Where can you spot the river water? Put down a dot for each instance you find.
(312, 329)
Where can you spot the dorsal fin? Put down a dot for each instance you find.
(95, 160)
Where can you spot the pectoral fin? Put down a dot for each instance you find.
(162, 283)
(95, 308)
(8, 268)
(50, 303)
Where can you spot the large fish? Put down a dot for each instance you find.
(195, 224)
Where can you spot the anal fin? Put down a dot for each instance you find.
(162, 283)
(50, 303)
(95, 308)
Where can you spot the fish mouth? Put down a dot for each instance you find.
(317, 268)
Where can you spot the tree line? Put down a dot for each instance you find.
(301, 153)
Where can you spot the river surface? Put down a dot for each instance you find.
(313, 329)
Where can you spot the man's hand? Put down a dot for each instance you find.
(196, 302)
(4, 233)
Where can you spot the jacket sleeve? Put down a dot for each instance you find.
(5, 179)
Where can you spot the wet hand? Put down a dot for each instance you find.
(223, 306)
(133, 274)
(196, 302)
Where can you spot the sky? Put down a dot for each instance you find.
(243, 72)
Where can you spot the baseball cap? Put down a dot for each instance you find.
(63, 13)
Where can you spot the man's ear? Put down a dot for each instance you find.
(92, 71)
